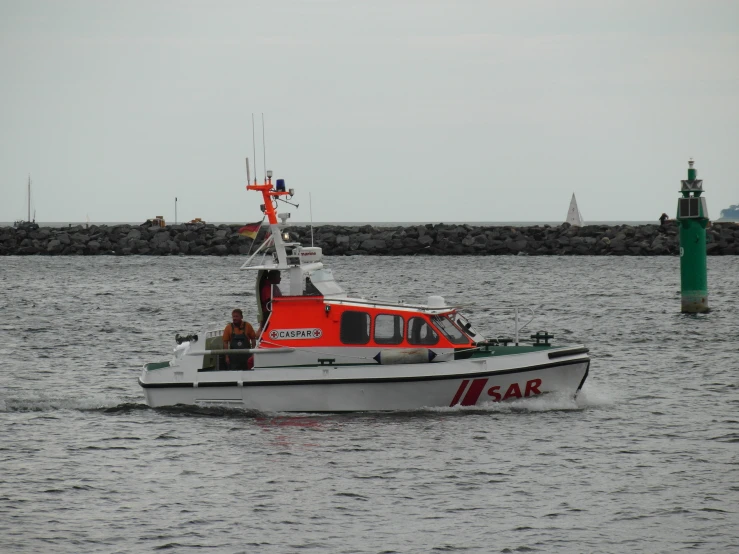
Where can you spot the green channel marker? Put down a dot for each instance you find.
(692, 216)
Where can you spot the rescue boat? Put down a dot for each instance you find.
(319, 350)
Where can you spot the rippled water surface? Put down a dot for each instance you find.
(645, 460)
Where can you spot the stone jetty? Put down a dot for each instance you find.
(430, 240)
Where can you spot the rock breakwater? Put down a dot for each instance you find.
(431, 239)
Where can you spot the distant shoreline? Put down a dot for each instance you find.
(59, 224)
(438, 239)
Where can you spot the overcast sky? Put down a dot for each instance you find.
(382, 110)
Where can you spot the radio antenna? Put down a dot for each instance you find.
(264, 149)
(248, 175)
(310, 204)
(254, 146)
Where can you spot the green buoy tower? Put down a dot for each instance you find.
(692, 216)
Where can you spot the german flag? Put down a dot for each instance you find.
(250, 230)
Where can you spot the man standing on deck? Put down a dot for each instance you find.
(236, 336)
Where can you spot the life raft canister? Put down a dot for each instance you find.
(394, 356)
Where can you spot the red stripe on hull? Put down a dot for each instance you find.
(470, 399)
(460, 390)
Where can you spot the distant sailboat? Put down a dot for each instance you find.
(574, 217)
(20, 222)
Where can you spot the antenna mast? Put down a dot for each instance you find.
(248, 175)
(310, 204)
(264, 149)
(254, 147)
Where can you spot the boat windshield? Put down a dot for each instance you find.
(449, 330)
(465, 325)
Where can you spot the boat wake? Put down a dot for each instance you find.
(206, 410)
(551, 402)
(43, 403)
(115, 405)
(586, 399)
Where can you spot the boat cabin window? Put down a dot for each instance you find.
(388, 329)
(449, 330)
(420, 332)
(355, 328)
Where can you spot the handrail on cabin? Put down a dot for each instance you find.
(240, 351)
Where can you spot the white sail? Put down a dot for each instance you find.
(574, 217)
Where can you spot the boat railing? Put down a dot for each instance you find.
(518, 313)
(374, 301)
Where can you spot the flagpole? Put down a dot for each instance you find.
(265, 244)
(255, 240)
(310, 204)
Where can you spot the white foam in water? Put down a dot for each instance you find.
(554, 401)
(590, 397)
(544, 403)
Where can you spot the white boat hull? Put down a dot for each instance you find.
(471, 382)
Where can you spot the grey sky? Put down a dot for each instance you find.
(382, 110)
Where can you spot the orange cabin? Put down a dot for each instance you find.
(312, 321)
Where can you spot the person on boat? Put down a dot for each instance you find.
(268, 291)
(236, 336)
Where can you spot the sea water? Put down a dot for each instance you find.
(646, 459)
